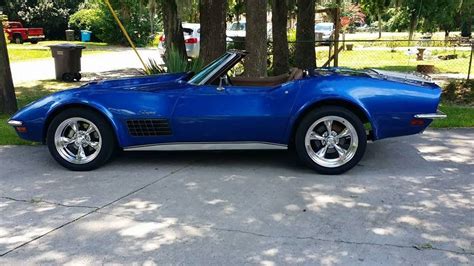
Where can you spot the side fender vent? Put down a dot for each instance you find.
(149, 127)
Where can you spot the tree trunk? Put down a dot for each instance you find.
(280, 38)
(7, 91)
(305, 55)
(152, 11)
(379, 17)
(213, 29)
(173, 30)
(413, 24)
(466, 24)
(256, 38)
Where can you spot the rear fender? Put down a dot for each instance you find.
(353, 105)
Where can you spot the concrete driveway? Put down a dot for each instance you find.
(410, 201)
(43, 69)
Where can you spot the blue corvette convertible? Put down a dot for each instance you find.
(325, 115)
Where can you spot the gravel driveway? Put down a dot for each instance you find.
(410, 201)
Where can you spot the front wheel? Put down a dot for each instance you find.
(80, 139)
(331, 140)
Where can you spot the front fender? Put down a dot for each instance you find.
(37, 115)
(96, 106)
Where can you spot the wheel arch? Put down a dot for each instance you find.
(100, 111)
(357, 109)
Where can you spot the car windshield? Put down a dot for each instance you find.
(188, 31)
(214, 65)
(323, 27)
(14, 25)
(238, 26)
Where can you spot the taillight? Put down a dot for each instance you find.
(162, 38)
(417, 122)
(191, 40)
(21, 129)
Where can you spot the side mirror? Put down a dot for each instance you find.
(221, 82)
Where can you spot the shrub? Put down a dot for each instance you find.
(459, 92)
(153, 68)
(174, 63)
(134, 17)
(89, 19)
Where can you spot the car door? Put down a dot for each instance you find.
(209, 113)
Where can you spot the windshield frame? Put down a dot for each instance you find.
(203, 76)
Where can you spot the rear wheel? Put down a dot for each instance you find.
(331, 140)
(77, 76)
(80, 139)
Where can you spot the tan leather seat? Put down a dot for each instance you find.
(261, 82)
(295, 74)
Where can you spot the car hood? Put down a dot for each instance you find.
(143, 83)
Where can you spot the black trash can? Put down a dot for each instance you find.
(67, 61)
(69, 35)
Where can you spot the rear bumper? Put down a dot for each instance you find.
(39, 37)
(437, 115)
(15, 123)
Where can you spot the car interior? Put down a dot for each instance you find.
(232, 75)
(294, 74)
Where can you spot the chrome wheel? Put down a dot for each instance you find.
(331, 141)
(78, 140)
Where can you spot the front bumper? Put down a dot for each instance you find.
(437, 115)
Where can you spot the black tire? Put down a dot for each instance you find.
(68, 77)
(18, 39)
(317, 114)
(109, 143)
(77, 76)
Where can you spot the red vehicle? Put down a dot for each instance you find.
(18, 34)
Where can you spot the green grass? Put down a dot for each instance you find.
(27, 93)
(28, 51)
(23, 54)
(458, 116)
(8, 135)
(397, 61)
